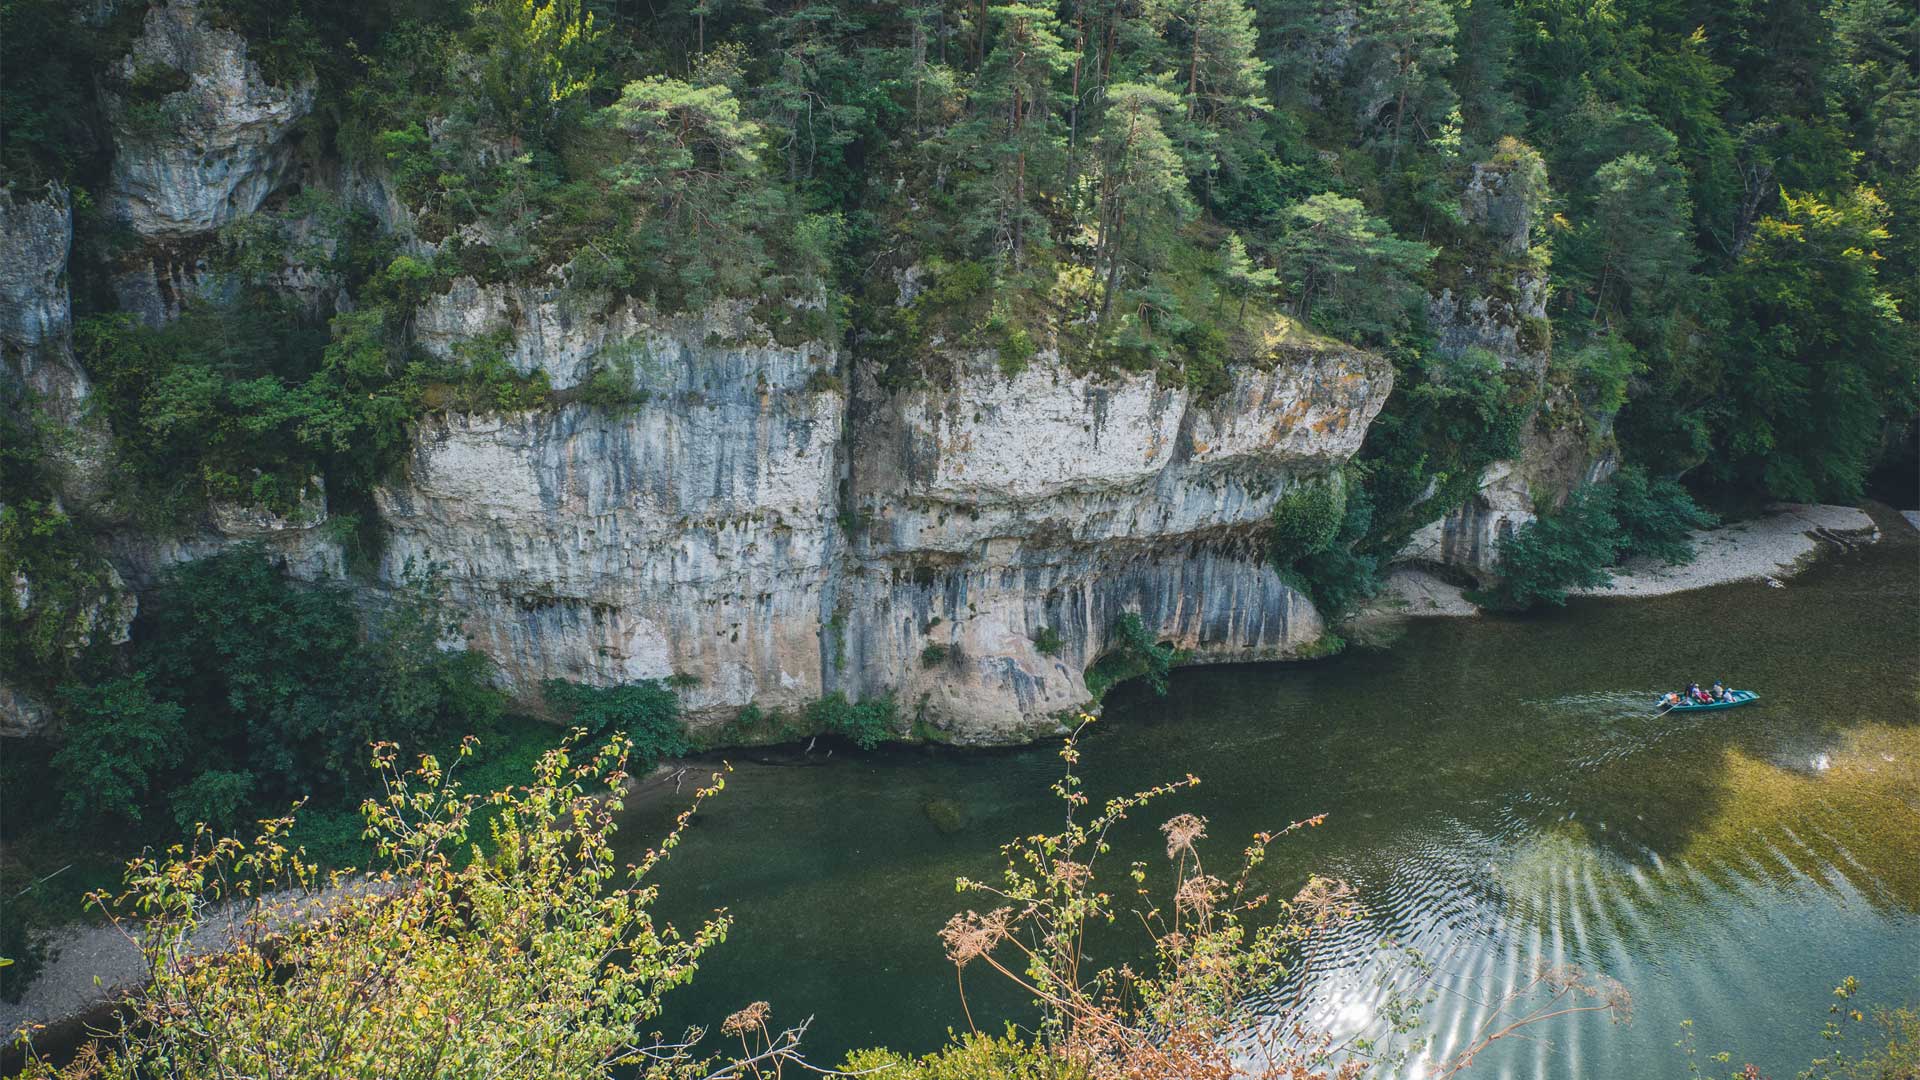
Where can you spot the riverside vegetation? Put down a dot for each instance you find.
(536, 954)
(1724, 196)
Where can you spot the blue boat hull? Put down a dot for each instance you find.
(1737, 699)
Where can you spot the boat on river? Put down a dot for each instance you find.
(1734, 699)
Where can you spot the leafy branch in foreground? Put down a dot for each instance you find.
(541, 959)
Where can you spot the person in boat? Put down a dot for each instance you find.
(1719, 692)
(1694, 693)
(1672, 699)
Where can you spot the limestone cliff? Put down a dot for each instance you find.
(38, 373)
(754, 527)
(768, 519)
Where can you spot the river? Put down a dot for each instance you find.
(1497, 790)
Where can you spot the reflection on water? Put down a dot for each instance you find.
(1500, 793)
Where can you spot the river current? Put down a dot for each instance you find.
(1497, 790)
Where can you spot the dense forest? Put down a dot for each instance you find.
(1713, 205)
(1717, 201)
(1726, 196)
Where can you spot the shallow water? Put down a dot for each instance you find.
(1497, 790)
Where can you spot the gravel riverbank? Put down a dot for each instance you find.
(1773, 548)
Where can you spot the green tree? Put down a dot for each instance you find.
(1634, 246)
(646, 713)
(1655, 515)
(119, 741)
(1345, 269)
(1815, 358)
(1225, 74)
(1142, 189)
(533, 58)
(1569, 548)
(1015, 137)
(1412, 42)
(1243, 279)
(805, 96)
(689, 160)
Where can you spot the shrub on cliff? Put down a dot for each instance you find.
(1132, 653)
(866, 723)
(1307, 518)
(1341, 576)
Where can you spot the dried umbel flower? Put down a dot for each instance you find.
(1322, 899)
(1571, 979)
(1198, 894)
(1182, 832)
(973, 935)
(1071, 874)
(751, 1018)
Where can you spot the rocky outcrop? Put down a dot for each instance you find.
(750, 527)
(692, 534)
(1000, 513)
(36, 231)
(1496, 303)
(192, 160)
(36, 341)
(223, 151)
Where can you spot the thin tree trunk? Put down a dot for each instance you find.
(1399, 112)
(1073, 110)
(1193, 68)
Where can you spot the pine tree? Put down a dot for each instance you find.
(1224, 70)
(1015, 126)
(1636, 238)
(1346, 270)
(1414, 42)
(1243, 278)
(1141, 181)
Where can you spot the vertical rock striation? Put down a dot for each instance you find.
(750, 526)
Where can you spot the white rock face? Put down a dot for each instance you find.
(547, 330)
(1001, 510)
(752, 527)
(692, 534)
(36, 231)
(227, 152)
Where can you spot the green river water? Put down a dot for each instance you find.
(1496, 790)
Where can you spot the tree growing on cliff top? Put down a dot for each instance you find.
(1347, 271)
